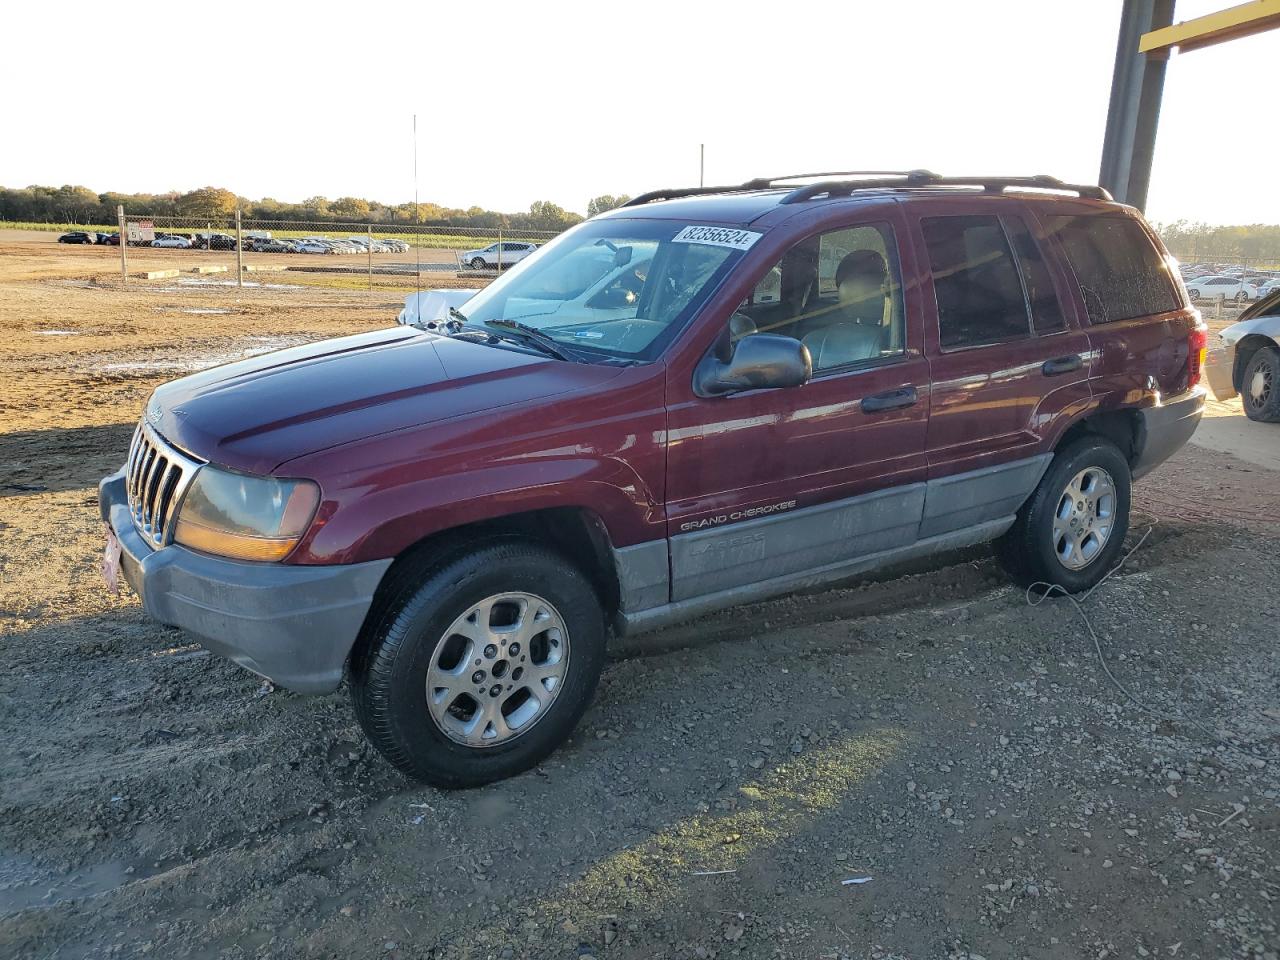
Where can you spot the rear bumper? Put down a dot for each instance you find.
(1164, 429)
(1219, 370)
(295, 625)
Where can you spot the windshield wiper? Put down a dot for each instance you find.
(532, 336)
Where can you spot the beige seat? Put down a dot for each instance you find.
(855, 331)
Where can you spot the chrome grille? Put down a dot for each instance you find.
(156, 479)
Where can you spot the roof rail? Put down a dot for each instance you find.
(761, 183)
(876, 180)
(924, 178)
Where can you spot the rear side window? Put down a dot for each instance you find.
(976, 282)
(1120, 272)
(1046, 312)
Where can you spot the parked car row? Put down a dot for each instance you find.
(86, 236)
(257, 243)
(1214, 281)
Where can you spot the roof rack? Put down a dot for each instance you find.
(876, 180)
(762, 183)
(924, 178)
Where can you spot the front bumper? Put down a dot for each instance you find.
(293, 624)
(1164, 429)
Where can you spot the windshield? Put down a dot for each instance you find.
(620, 288)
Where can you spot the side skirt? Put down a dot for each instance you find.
(642, 621)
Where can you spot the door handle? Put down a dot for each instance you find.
(1060, 365)
(892, 400)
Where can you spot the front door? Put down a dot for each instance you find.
(767, 484)
(1005, 361)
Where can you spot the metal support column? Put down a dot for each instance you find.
(1136, 88)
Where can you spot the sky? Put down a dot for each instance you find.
(563, 101)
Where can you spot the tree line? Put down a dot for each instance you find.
(80, 205)
(1202, 241)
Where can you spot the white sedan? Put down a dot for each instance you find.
(1229, 288)
(178, 243)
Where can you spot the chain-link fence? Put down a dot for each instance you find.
(280, 256)
(1223, 286)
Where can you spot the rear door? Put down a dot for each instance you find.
(1130, 302)
(1007, 364)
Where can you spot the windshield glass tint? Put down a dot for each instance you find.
(618, 287)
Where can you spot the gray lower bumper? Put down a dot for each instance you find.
(293, 624)
(1164, 429)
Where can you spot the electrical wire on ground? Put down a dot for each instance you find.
(1047, 590)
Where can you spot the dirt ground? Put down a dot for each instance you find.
(930, 731)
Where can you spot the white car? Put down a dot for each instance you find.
(1246, 361)
(178, 243)
(311, 246)
(506, 253)
(1268, 288)
(1229, 288)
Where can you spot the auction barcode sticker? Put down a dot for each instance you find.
(717, 237)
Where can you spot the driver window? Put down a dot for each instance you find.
(839, 293)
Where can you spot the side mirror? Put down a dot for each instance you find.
(759, 361)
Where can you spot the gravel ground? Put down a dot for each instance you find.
(930, 731)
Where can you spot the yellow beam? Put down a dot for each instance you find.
(1241, 21)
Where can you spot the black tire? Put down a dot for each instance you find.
(1194, 295)
(1028, 550)
(1261, 399)
(399, 641)
(477, 263)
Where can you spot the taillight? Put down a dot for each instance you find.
(1197, 347)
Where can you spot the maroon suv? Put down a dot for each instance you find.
(707, 397)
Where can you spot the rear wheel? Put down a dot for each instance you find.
(477, 667)
(1260, 387)
(1073, 527)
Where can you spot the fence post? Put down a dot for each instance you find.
(124, 246)
(368, 228)
(239, 253)
(499, 251)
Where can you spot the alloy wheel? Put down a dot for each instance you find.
(498, 669)
(1084, 518)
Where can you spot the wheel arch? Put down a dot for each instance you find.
(577, 533)
(1121, 427)
(1245, 349)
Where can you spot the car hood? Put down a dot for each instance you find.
(256, 414)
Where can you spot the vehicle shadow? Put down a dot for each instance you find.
(60, 458)
(952, 577)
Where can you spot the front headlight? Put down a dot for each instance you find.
(244, 517)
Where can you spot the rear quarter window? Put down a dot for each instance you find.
(1121, 273)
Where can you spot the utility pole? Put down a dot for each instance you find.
(239, 249)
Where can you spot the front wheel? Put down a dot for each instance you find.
(477, 263)
(1260, 386)
(1073, 527)
(478, 666)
